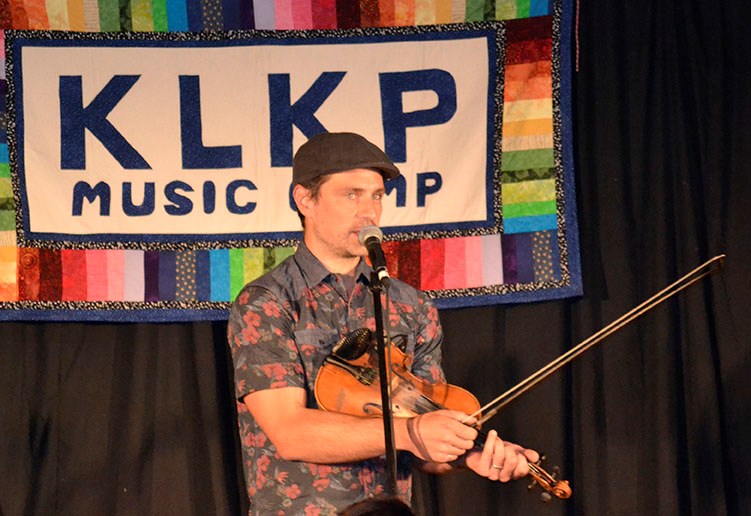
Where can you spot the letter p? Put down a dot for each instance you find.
(396, 121)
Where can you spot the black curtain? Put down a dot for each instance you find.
(139, 419)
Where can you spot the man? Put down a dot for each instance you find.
(302, 460)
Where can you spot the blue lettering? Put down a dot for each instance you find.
(284, 114)
(209, 197)
(75, 119)
(195, 155)
(396, 121)
(232, 205)
(181, 205)
(146, 208)
(82, 190)
(428, 183)
(400, 185)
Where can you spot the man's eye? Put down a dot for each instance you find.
(377, 197)
(351, 195)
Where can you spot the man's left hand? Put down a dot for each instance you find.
(499, 460)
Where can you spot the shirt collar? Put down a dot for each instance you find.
(315, 272)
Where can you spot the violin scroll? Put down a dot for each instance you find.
(549, 482)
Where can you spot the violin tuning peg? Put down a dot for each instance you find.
(545, 497)
(555, 472)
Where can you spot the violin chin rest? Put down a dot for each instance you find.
(353, 345)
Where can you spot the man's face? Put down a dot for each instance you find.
(346, 203)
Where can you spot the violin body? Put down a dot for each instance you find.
(352, 387)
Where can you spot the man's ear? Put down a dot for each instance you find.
(303, 199)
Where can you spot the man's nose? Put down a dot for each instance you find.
(369, 209)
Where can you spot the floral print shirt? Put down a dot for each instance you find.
(281, 328)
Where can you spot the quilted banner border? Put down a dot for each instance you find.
(535, 257)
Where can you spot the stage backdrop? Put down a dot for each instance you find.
(145, 171)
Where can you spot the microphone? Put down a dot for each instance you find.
(371, 237)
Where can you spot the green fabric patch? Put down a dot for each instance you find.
(253, 264)
(236, 272)
(530, 174)
(159, 13)
(7, 220)
(6, 189)
(530, 159)
(109, 15)
(281, 253)
(526, 209)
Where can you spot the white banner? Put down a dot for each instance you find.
(190, 141)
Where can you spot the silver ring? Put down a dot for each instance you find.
(496, 467)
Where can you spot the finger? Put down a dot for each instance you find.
(510, 463)
(461, 444)
(488, 465)
(454, 452)
(462, 435)
(531, 455)
(522, 466)
(461, 417)
(467, 433)
(498, 459)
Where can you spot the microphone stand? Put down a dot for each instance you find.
(376, 287)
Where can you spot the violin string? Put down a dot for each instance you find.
(669, 291)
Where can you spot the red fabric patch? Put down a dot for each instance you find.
(409, 262)
(432, 261)
(387, 13)
(369, 13)
(324, 14)
(529, 40)
(391, 250)
(73, 266)
(51, 271)
(347, 14)
(28, 274)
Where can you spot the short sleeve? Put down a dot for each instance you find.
(260, 333)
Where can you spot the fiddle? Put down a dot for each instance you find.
(348, 383)
(352, 365)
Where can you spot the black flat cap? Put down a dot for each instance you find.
(328, 153)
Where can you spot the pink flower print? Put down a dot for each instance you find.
(250, 332)
(312, 510)
(271, 309)
(292, 491)
(310, 301)
(321, 483)
(255, 440)
(274, 371)
(241, 388)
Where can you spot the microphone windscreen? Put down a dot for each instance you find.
(370, 232)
